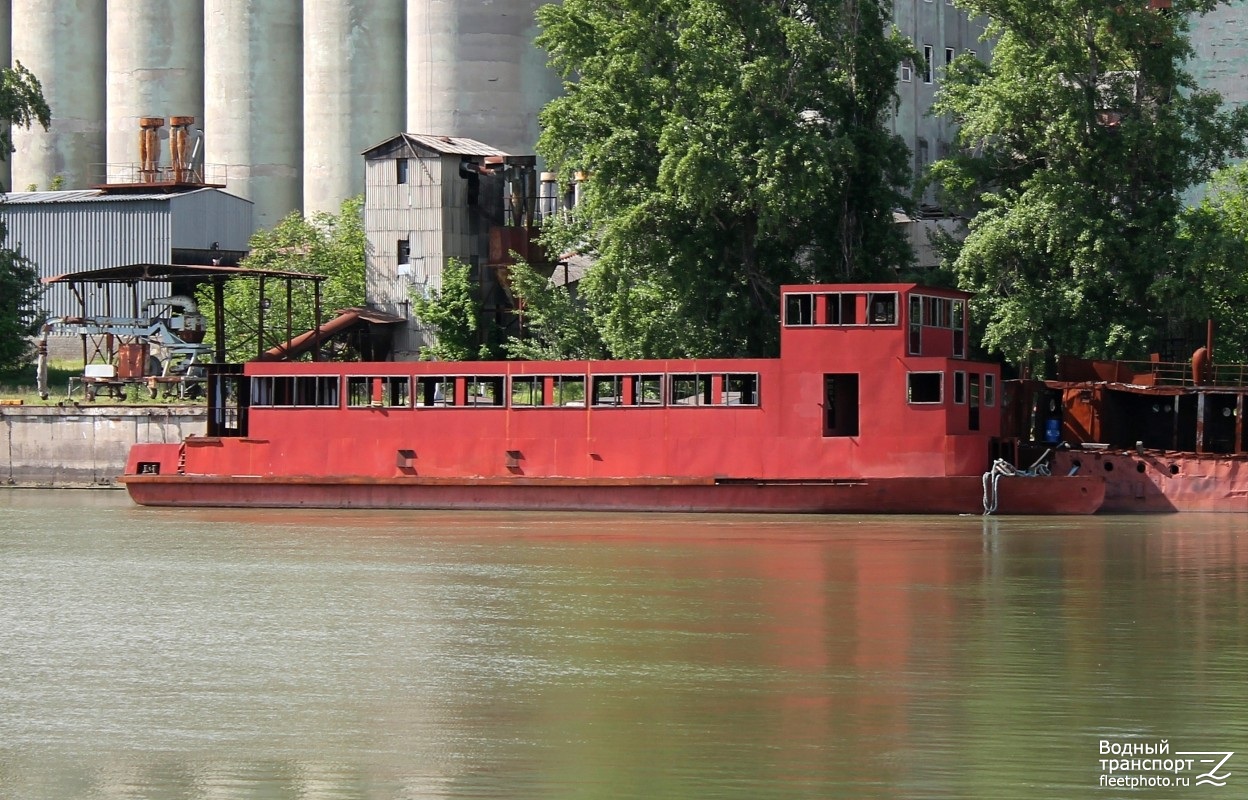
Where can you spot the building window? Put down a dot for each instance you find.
(403, 251)
(924, 387)
(949, 54)
(928, 54)
(400, 170)
(907, 72)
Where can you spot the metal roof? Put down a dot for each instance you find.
(164, 272)
(446, 145)
(91, 196)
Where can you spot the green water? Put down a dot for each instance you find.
(150, 653)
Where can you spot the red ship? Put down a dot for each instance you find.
(872, 407)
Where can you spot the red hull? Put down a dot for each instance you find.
(1159, 481)
(935, 495)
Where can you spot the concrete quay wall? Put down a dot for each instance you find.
(84, 445)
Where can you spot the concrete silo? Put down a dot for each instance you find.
(353, 92)
(6, 60)
(62, 43)
(155, 69)
(473, 71)
(253, 108)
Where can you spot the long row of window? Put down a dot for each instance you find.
(520, 391)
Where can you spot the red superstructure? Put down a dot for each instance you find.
(871, 408)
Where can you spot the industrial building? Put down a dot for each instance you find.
(431, 199)
(87, 229)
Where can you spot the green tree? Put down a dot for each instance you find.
(731, 147)
(453, 315)
(1213, 239)
(332, 245)
(21, 105)
(555, 326)
(1076, 143)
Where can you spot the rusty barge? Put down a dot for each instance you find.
(1165, 437)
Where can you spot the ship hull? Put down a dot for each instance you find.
(1161, 481)
(934, 495)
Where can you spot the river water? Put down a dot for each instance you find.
(148, 653)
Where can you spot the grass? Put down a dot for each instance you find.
(21, 385)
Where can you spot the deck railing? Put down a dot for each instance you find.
(1179, 373)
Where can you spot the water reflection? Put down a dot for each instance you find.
(311, 654)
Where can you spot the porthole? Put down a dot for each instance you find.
(1109, 466)
(1174, 469)
(1139, 467)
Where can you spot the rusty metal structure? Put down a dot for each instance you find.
(159, 342)
(1167, 436)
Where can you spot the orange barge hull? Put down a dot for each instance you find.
(934, 495)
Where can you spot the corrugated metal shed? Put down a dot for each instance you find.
(77, 230)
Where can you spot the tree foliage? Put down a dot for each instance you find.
(1213, 240)
(19, 298)
(730, 147)
(21, 105)
(555, 326)
(326, 244)
(1076, 143)
(453, 315)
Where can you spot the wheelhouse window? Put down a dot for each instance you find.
(946, 313)
(959, 329)
(567, 391)
(924, 387)
(378, 391)
(841, 308)
(916, 325)
(799, 309)
(295, 391)
(959, 387)
(990, 389)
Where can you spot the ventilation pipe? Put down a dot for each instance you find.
(149, 147)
